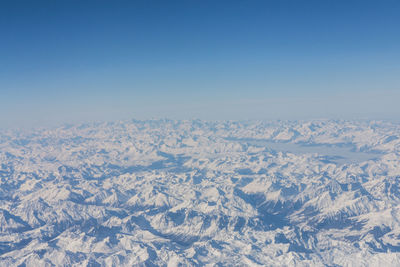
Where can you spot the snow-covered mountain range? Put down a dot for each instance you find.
(189, 193)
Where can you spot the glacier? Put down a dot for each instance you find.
(194, 193)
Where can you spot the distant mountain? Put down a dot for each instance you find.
(189, 193)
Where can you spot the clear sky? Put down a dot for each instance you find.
(68, 61)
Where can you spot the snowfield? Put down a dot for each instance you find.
(189, 193)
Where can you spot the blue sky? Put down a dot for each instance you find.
(69, 61)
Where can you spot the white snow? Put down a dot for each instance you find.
(173, 193)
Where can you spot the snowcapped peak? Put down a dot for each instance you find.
(167, 192)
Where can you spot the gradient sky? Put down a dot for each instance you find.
(70, 61)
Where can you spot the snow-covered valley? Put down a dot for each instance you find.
(189, 193)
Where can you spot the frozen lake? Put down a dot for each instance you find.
(340, 154)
